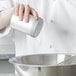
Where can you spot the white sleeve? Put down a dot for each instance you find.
(5, 32)
(4, 5)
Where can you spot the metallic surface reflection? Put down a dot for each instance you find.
(45, 65)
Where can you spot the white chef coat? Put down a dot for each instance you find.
(59, 30)
(6, 42)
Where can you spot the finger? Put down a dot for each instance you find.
(27, 13)
(17, 9)
(35, 14)
(21, 12)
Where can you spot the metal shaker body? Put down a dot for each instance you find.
(32, 28)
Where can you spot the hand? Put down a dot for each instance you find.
(24, 12)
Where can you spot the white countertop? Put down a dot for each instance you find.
(7, 75)
(6, 56)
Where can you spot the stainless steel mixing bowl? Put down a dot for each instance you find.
(45, 65)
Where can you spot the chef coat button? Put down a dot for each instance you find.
(52, 21)
(50, 46)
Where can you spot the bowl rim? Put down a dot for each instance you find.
(11, 60)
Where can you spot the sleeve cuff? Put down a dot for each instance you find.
(6, 32)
